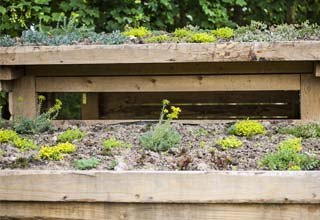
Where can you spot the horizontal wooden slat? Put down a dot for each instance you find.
(161, 53)
(169, 83)
(161, 187)
(172, 68)
(115, 211)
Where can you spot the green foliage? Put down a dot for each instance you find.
(288, 157)
(71, 135)
(112, 142)
(247, 128)
(10, 136)
(1, 152)
(200, 132)
(86, 164)
(201, 38)
(163, 136)
(182, 32)
(41, 123)
(229, 142)
(113, 164)
(6, 41)
(309, 130)
(56, 152)
(139, 32)
(158, 39)
(112, 38)
(224, 33)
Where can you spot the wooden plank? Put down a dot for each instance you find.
(116, 211)
(317, 69)
(310, 98)
(90, 106)
(161, 53)
(161, 187)
(24, 87)
(10, 73)
(169, 83)
(172, 68)
(6, 86)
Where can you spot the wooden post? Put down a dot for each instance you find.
(24, 87)
(317, 69)
(90, 106)
(310, 97)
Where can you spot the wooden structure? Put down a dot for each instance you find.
(209, 81)
(137, 195)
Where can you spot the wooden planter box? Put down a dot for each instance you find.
(143, 195)
(137, 76)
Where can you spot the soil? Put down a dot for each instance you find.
(198, 150)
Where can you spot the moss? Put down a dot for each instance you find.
(229, 142)
(201, 38)
(139, 32)
(225, 33)
(247, 128)
(71, 135)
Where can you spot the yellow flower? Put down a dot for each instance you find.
(165, 102)
(41, 98)
(166, 111)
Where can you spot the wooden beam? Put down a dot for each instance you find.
(116, 211)
(169, 83)
(161, 187)
(317, 69)
(172, 68)
(161, 53)
(310, 97)
(6, 86)
(90, 106)
(10, 73)
(24, 88)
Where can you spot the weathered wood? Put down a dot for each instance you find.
(317, 69)
(201, 105)
(116, 211)
(310, 97)
(24, 89)
(10, 73)
(6, 86)
(161, 187)
(161, 53)
(90, 106)
(172, 68)
(169, 83)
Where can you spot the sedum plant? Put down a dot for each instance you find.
(201, 38)
(139, 32)
(247, 128)
(112, 143)
(229, 142)
(71, 135)
(41, 123)
(163, 136)
(56, 152)
(289, 157)
(224, 33)
(86, 164)
(309, 130)
(10, 136)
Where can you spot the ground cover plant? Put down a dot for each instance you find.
(71, 135)
(86, 164)
(70, 33)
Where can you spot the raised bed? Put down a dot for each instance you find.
(140, 75)
(159, 195)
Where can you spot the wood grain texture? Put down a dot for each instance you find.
(172, 68)
(310, 97)
(117, 211)
(317, 69)
(169, 83)
(161, 53)
(161, 187)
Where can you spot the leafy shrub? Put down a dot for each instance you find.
(162, 136)
(247, 128)
(157, 39)
(41, 123)
(310, 130)
(71, 135)
(56, 152)
(201, 38)
(139, 32)
(86, 164)
(229, 142)
(224, 33)
(288, 157)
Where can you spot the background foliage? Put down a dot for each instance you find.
(108, 15)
